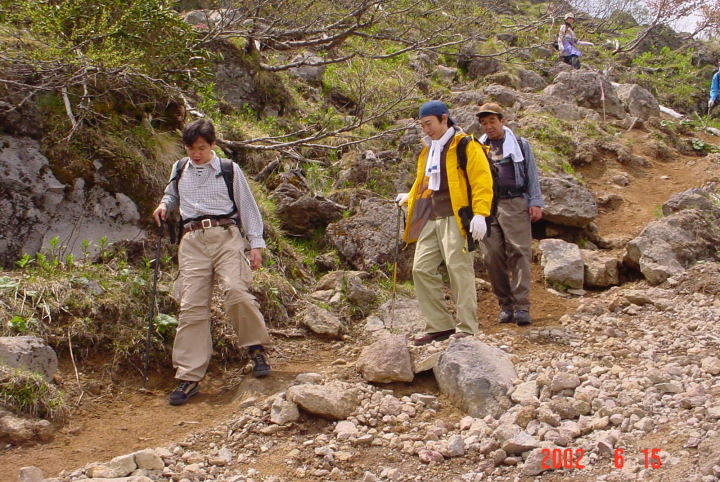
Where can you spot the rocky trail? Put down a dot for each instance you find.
(630, 368)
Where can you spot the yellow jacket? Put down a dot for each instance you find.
(481, 184)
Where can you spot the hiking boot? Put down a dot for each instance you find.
(431, 337)
(460, 334)
(261, 368)
(183, 392)
(522, 317)
(505, 316)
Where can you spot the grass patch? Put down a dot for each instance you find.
(27, 393)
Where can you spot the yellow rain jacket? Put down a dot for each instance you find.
(481, 184)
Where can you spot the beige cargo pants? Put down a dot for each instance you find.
(441, 241)
(206, 254)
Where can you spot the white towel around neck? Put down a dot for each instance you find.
(511, 146)
(432, 164)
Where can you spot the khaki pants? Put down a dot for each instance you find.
(507, 254)
(203, 255)
(441, 240)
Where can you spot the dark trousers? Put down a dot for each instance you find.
(573, 60)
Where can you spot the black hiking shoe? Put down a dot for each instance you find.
(261, 368)
(505, 316)
(431, 337)
(522, 317)
(183, 392)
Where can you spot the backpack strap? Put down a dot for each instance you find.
(227, 169)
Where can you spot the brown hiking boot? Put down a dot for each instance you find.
(431, 337)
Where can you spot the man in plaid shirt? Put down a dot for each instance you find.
(212, 247)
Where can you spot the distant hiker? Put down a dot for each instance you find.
(714, 91)
(507, 249)
(437, 203)
(567, 42)
(212, 248)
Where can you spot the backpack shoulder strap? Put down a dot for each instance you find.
(227, 168)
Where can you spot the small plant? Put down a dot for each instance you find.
(85, 248)
(21, 324)
(165, 325)
(24, 261)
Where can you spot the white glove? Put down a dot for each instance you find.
(478, 228)
(711, 104)
(402, 198)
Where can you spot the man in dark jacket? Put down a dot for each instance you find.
(507, 249)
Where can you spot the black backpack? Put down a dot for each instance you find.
(466, 213)
(228, 174)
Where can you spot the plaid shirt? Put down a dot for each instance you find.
(204, 193)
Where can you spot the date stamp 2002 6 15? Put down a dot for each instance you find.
(573, 459)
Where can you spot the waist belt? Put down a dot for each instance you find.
(510, 192)
(207, 223)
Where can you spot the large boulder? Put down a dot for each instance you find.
(480, 67)
(28, 353)
(477, 377)
(336, 400)
(401, 315)
(703, 199)
(562, 263)
(638, 101)
(530, 80)
(668, 246)
(601, 269)
(567, 202)
(586, 88)
(368, 239)
(300, 212)
(309, 70)
(36, 206)
(387, 360)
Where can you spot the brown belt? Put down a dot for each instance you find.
(207, 223)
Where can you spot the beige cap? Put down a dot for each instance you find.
(490, 108)
(569, 15)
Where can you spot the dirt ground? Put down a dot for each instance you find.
(104, 426)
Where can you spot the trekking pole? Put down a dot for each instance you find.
(395, 261)
(151, 310)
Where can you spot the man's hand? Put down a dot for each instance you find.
(478, 227)
(255, 258)
(711, 104)
(160, 213)
(535, 213)
(402, 198)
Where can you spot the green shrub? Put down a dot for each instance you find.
(28, 393)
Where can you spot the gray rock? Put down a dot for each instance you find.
(321, 321)
(480, 67)
(19, 430)
(149, 460)
(638, 101)
(367, 239)
(567, 202)
(711, 364)
(564, 381)
(456, 446)
(120, 466)
(447, 74)
(583, 88)
(562, 264)
(310, 71)
(504, 96)
(301, 212)
(387, 360)
(530, 80)
(283, 412)
(30, 474)
(694, 198)
(28, 353)
(345, 430)
(476, 376)
(601, 270)
(522, 442)
(533, 463)
(526, 394)
(36, 206)
(668, 246)
(334, 400)
(401, 315)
